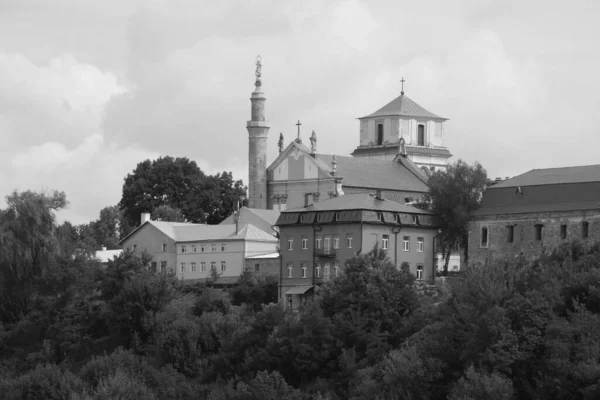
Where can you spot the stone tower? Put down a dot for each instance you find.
(258, 129)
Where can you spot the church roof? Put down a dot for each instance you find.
(377, 174)
(553, 176)
(360, 201)
(404, 107)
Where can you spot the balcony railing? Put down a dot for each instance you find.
(325, 253)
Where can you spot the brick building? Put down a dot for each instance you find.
(316, 240)
(536, 211)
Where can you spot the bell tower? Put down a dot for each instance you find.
(258, 130)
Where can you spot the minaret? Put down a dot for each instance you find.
(258, 129)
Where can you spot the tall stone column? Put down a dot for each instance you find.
(258, 130)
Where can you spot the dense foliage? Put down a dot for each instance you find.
(510, 329)
(179, 184)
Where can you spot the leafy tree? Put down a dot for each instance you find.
(255, 290)
(166, 213)
(453, 195)
(179, 184)
(43, 383)
(27, 245)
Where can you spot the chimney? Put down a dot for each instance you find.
(334, 166)
(237, 219)
(379, 194)
(103, 248)
(145, 218)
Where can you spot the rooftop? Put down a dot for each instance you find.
(359, 201)
(553, 176)
(404, 107)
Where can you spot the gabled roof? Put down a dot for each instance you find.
(301, 148)
(404, 107)
(377, 174)
(269, 216)
(553, 176)
(359, 201)
(184, 232)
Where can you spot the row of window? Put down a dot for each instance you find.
(203, 248)
(317, 270)
(193, 266)
(385, 243)
(538, 232)
(420, 135)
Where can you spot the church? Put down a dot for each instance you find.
(399, 145)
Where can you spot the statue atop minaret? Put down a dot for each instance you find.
(258, 129)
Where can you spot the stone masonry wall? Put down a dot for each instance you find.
(524, 241)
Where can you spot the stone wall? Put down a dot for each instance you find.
(524, 238)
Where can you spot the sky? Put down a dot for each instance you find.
(88, 89)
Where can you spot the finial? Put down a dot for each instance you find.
(334, 166)
(258, 82)
(313, 144)
(298, 140)
(402, 80)
(280, 143)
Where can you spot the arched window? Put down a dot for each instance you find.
(421, 135)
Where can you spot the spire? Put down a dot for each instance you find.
(402, 81)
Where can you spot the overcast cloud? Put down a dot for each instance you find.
(90, 88)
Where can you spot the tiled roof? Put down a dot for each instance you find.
(551, 176)
(359, 201)
(270, 216)
(375, 174)
(403, 106)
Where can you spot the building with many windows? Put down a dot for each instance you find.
(193, 251)
(536, 211)
(316, 240)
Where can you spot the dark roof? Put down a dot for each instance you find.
(269, 216)
(404, 107)
(376, 174)
(552, 176)
(438, 151)
(359, 201)
(540, 198)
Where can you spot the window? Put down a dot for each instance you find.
(202, 266)
(455, 268)
(510, 237)
(153, 266)
(420, 244)
(289, 268)
(585, 229)
(213, 247)
(318, 243)
(164, 247)
(484, 237)
(317, 271)
(421, 135)
(183, 248)
(415, 220)
(336, 269)
(182, 267)
(256, 267)
(327, 245)
(326, 270)
(163, 267)
(349, 240)
(223, 266)
(304, 243)
(202, 248)
(379, 134)
(406, 243)
(193, 248)
(563, 231)
(223, 247)
(193, 267)
(419, 272)
(379, 216)
(304, 268)
(336, 242)
(290, 243)
(538, 232)
(385, 242)
(213, 265)
(336, 217)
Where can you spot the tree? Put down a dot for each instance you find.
(166, 213)
(453, 195)
(27, 245)
(179, 184)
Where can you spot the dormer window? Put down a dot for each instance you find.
(379, 216)
(421, 135)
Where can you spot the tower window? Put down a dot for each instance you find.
(484, 236)
(563, 231)
(538, 232)
(585, 229)
(379, 134)
(421, 135)
(510, 233)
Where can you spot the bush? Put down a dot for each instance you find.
(212, 300)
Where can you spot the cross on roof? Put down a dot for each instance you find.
(298, 125)
(402, 80)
